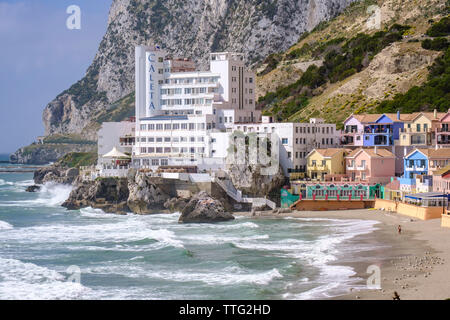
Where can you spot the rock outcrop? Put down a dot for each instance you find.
(55, 173)
(42, 154)
(33, 188)
(108, 194)
(176, 204)
(203, 209)
(249, 179)
(144, 196)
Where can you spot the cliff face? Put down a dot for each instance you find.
(185, 28)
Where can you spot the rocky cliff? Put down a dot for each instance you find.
(184, 28)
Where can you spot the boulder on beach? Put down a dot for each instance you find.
(33, 188)
(202, 208)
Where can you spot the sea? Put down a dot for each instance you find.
(48, 252)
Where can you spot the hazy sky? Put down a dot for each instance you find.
(39, 58)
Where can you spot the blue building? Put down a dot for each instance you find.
(416, 163)
(383, 131)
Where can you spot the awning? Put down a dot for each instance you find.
(116, 154)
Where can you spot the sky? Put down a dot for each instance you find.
(39, 58)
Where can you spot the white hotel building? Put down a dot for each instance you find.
(183, 116)
(296, 139)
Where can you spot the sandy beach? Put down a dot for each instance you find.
(414, 263)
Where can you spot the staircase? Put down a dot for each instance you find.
(237, 195)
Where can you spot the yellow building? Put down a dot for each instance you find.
(321, 162)
(418, 128)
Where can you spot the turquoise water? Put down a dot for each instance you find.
(154, 257)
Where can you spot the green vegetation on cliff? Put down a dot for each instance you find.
(435, 93)
(78, 159)
(341, 59)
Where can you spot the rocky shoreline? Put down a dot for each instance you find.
(137, 193)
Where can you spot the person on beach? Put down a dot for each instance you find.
(399, 228)
(396, 296)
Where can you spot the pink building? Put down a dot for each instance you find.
(443, 131)
(372, 165)
(441, 180)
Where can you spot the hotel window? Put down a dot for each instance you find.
(176, 139)
(160, 71)
(143, 139)
(201, 139)
(200, 126)
(250, 91)
(191, 126)
(175, 150)
(166, 139)
(324, 163)
(184, 126)
(183, 139)
(418, 127)
(331, 141)
(151, 126)
(151, 150)
(313, 163)
(167, 150)
(289, 154)
(309, 130)
(160, 59)
(296, 155)
(284, 141)
(164, 162)
(187, 90)
(201, 150)
(143, 150)
(176, 126)
(233, 68)
(159, 150)
(233, 90)
(159, 139)
(296, 140)
(233, 79)
(159, 126)
(192, 150)
(143, 127)
(250, 101)
(250, 80)
(192, 139)
(183, 150)
(155, 162)
(167, 126)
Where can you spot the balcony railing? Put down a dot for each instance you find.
(443, 130)
(415, 168)
(414, 130)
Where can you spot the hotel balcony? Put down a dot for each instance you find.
(361, 168)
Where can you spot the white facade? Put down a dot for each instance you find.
(296, 139)
(116, 134)
(182, 118)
